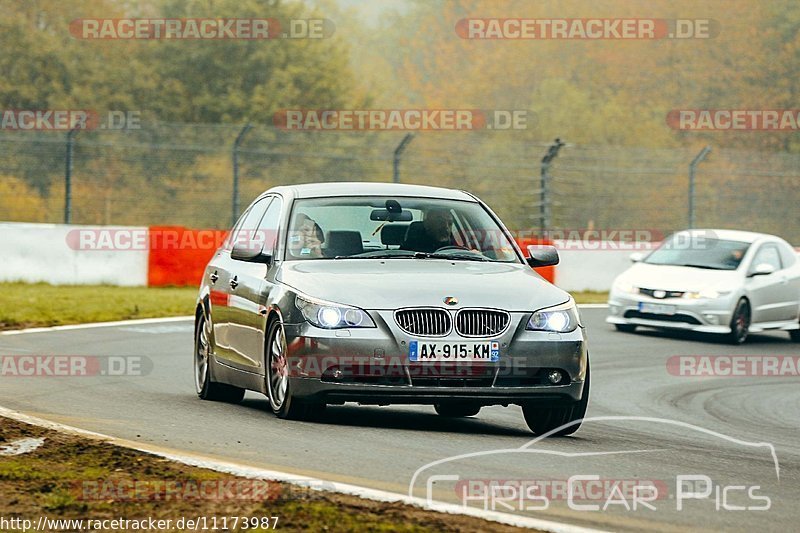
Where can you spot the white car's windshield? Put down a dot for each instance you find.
(402, 227)
(708, 253)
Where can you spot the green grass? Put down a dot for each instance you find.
(590, 297)
(34, 305)
(25, 305)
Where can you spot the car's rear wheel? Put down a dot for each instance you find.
(542, 419)
(626, 328)
(740, 323)
(457, 410)
(279, 387)
(205, 388)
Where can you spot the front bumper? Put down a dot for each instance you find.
(703, 315)
(373, 366)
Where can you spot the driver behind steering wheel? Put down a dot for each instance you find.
(432, 234)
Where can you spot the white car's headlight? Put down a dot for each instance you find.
(329, 315)
(625, 287)
(561, 318)
(704, 294)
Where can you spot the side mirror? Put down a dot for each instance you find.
(252, 254)
(542, 255)
(762, 269)
(636, 257)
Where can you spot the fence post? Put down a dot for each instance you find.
(235, 194)
(544, 198)
(692, 168)
(68, 176)
(397, 153)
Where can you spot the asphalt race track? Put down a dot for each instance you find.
(679, 426)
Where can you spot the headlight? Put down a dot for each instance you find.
(329, 315)
(705, 293)
(560, 318)
(626, 287)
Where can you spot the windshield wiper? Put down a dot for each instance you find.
(463, 257)
(379, 256)
(707, 267)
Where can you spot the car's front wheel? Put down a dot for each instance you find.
(740, 323)
(542, 420)
(625, 328)
(795, 334)
(205, 388)
(279, 388)
(457, 410)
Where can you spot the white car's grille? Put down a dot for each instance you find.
(428, 322)
(481, 322)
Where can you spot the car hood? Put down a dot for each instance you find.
(678, 278)
(396, 283)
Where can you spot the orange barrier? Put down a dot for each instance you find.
(178, 255)
(549, 272)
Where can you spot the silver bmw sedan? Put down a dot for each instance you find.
(725, 282)
(385, 293)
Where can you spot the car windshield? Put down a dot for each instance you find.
(395, 228)
(707, 253)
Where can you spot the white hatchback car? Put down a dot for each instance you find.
(714, 281)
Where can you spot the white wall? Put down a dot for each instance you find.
(41, 253)
(592, 266)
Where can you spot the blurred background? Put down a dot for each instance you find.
(621, 165)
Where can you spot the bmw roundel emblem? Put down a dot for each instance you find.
(450, 300)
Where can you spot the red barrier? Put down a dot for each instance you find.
(179, 255)
(549, 272)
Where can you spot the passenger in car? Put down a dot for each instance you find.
(307, 238)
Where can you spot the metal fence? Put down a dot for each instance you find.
(183, 174)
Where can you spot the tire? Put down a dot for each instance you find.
(542, 419)
(279, 387)
(740, 323)
(625, 328)
(205, 388)
(457, 410)
(795, 335)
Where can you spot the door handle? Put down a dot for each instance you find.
(234, 282)
(214, 277)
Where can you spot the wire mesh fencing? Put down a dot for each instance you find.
(183, 174)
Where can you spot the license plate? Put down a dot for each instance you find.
(658, 309)
(421, 351)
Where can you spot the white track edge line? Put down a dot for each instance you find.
(134, 322)
(308, 482)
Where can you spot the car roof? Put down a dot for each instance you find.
(359, 188)
(730, 235)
